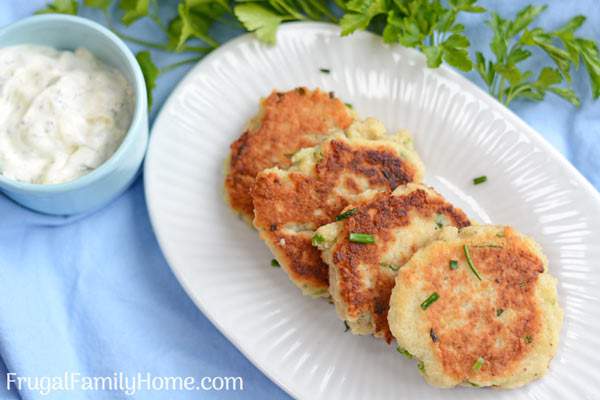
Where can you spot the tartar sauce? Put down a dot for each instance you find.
(62, 113)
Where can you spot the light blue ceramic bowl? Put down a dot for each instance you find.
(102, 185)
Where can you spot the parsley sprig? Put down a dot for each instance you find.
(430, 26)
(426, 25)
(513, 42)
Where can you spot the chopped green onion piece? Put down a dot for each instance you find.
(364, 238)
(473, 384)
(404, 352)
(275, 263)
(499, 312)
(390, 266)
(317, 239)
(346, 214)
(421, 366)
(347, 327)
(470, 262)
(325, 70)
(453, 264)
(349, 105)
(528, 339)
(478, 364)
(430, 300)
(479, 179)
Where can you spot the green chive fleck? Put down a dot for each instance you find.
(404, 352)
(349, 105)
(317, 239)
(528, 339)
(275, 263)
(453, 264)
(470, 262)
(478, 364)
(325, 70)
(499, 312)
(430, 300)
(479, 180)
(346, 214)
(421, 366)
(364, 238)
(440, 220)
(473, 384)
(390, 266)
(347, 326)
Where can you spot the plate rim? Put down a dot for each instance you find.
(316, 28)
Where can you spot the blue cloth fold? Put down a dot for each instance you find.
(93, 294)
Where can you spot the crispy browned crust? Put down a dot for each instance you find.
(511, 272)
(466, 321)
(380, 217)
(312, 201)
(287, 122)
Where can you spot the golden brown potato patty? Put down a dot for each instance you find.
(290, 205)
(362, 275)
(286, 123)
(493, 321)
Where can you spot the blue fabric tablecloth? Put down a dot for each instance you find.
(94, 294)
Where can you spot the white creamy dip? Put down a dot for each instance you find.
(62, 113)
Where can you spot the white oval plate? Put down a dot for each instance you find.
(460, 132)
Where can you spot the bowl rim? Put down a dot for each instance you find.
(137, 120)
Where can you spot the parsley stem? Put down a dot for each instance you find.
(170, 67)
(282, 5)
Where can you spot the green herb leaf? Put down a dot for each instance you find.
(346, 214)
(393, 267)
(433, 297)
(194, 24)
(524, 18)
(360, 15)
(275, 263)
(458, 58)
(499, 312)
(317, 239)
(478, 364)
(440, 220)
(453, 264)
(134, 10)
(364, 238)
(260, 20)
(404, 352)
(60, 7)
(150, 72)
(325, 70)
(433, 54)
(510, 45)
